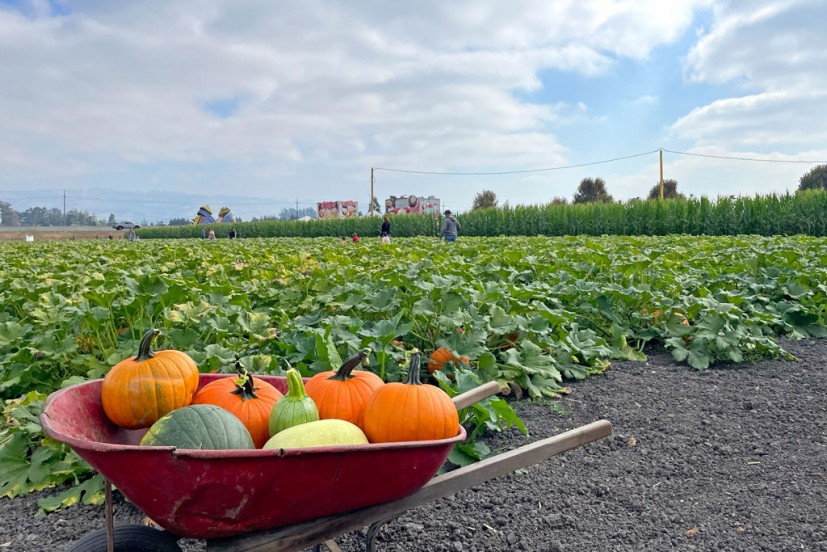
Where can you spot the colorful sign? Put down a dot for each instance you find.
(412, 204)
(337, 209)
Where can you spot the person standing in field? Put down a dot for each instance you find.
(450, 227)
(385, 233)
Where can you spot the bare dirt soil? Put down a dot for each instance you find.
(732, 459)
(45, 233)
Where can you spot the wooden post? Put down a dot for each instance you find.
(661, 174)
(476, 394)
(110, 516)
(371, 192)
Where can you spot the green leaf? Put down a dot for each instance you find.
(698, 360)
(506, 414)
(423, 307)
(327, 357)
(14, 466)
(11, 332)
(460, 456)
(89, 492)
(182, 339)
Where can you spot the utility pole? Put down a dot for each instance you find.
(661, 174)
(370, 209)
(297, 208)
(64, 207)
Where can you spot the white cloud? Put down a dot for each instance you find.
(777, 53)
(647, 99)
(765, 44)
(321, 88)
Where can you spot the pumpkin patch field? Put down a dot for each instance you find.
(532, 313)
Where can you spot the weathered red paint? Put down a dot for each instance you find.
(216, 493)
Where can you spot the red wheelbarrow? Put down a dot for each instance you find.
(285, 500)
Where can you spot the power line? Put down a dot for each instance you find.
(735, 158)
(745, 158)
(517, 171)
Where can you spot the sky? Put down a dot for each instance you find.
(149, 109)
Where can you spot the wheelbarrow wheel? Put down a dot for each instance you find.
(128, 538)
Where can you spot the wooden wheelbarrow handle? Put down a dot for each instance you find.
(476, 395)
(303, 535)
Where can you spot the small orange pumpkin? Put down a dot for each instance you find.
(344, 394)
(249, 398)
(140, 390)
(410, 411)
(441, 356)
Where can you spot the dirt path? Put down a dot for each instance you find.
(44, 233)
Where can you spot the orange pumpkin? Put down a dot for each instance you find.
(344, 394)
(139, 390)
(249, 398)
(410, 411)
(441, 356)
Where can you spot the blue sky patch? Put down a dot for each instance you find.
(56, 7)
(223, 108)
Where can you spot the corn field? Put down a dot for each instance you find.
(788, 214)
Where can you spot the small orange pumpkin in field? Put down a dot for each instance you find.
(249, 398)
(140, 390)
(410, 411)
(441, 356)
(344, 394)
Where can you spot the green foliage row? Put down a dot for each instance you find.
(529, 312)
(788, 214)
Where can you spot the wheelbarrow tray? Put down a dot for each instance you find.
(207, 494)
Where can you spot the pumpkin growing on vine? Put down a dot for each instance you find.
(140, 390)
(410, 411)
(343, 394)
(441, 356)
(249, 398)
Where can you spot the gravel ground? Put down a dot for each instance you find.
(733, 459)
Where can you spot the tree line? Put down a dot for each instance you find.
(42, 216)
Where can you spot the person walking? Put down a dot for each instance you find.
(385, 233)
(450, 227)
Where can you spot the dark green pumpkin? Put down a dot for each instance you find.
(199, 426)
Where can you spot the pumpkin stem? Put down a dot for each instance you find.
(295, 386)
(344, 371)
(145, 348)
(244, 384)
(413, 371)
